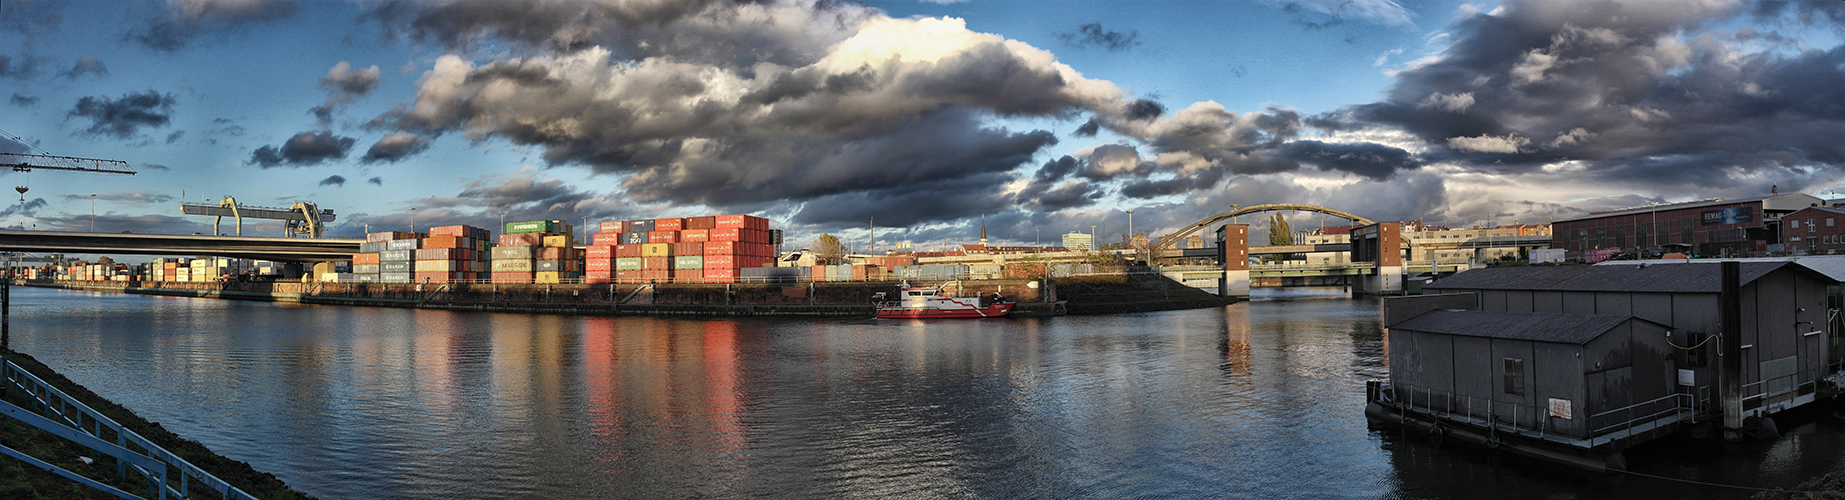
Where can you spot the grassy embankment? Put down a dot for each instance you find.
(21, 480)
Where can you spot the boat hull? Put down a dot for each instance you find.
(992, 311)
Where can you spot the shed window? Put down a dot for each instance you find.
(1515, 376)
(1828, 222)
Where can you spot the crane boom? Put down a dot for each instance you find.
(26, 163)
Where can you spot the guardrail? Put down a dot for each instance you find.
(1652, 416)
(54, 411)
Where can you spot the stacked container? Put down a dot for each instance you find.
(678, 250)
(526, 247)
(452, 254)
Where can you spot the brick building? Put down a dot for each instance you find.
(1710, 227)
(1815, 229)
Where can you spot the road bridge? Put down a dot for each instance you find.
(276, 249)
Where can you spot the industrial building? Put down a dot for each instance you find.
(1814, 230)
(1591, 359)
(1710, 227)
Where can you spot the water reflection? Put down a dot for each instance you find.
(1259, 399)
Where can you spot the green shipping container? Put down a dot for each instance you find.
(628, 264)
(397, 266)
(536, 226)
(516, 252)
(689, 262)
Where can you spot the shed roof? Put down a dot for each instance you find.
(1680, 278)
(1801, 199)
(1542, 327)
(1833, 266)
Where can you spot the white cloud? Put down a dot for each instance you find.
(1511, 143)
(1456, 102)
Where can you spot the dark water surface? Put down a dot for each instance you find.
(1256, 400)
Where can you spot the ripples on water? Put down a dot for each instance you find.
(1257, 400)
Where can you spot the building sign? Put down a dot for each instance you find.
(1732, 215)
(1560, 408)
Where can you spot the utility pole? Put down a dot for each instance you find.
(92, 213)
(1130, 236)
(873, 237)
(412, 219)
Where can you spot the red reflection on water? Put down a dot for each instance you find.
(721, 384)
(601, 381)
(1236, 336)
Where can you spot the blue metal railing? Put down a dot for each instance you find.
(54, 411)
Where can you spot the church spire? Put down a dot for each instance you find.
(983, 230)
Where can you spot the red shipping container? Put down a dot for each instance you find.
(558, 253)
(597, 280)
(731, 221)
(663, 237)
(612, 227)
(360, 259)
(599, 252)
(627, 250)
(440, 277)
(648, 263)
(688, 249)
(627, 276)
(695, 235)
(720, 248)
(720, 261)
(720, 275)
(727, 234)
(819, 273)
(446, 242)
(455, 231)
(595, 264)
(391, 235)
(512, 277)
(521, 239)
(657, 275)
(605, 239)
(672, 224)
(688, 275)
(706, 222)
(604, 273)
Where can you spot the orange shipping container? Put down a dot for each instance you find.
(521, 239)
(612, 227)
(720, 261)
(628, 251)
(700, 235)
(706, 222)
(512, 277)
(599, 252)
(364, 258)
(653, 263)
(451, 231)
(720, 248)
(663, 237)
(720, 275)
(557, 253)
(688, 275)
(727, 234)
(688, 249)
(605, 239)
(673, 224)
(449, 277)
(627, 276)
(447, 241)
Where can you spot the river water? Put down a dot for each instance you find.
(1255, 400)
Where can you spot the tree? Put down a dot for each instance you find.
(828, 251)
(1279, 233)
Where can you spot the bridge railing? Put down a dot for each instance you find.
(52, 410)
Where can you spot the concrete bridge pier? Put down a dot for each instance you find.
(1233, 241)
(1382, 245)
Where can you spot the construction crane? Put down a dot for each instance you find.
(299, 218)
(21, 162)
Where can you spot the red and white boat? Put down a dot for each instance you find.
(925, 303)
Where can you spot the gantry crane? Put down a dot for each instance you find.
(299, 218)
(21, 162)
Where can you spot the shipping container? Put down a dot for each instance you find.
(595, 264)
(653, 263)
(726, 234)
(640, 226)
(536, 226)
(513, 265)
(663, 237)
(628, 264)
(448, 242)
(395, 277)
(720, 275)
(558, 265)
(599, 252)
(552, 277)
(391, 235)
(720, 261)
(612, 227)
(605, 239)
(633, 238)
(706, 222)
(441, 277)
(557, 241)
(366, 269)
(511, 277)
(628, 251)
(373, 246)
(445, 254)
(521, 239)
(656, 250)
(403, 245)
(396, 266)
(668, 224)
(696, 235)
(689, 262)
(628, 276)
(555, 253)
(365, 258)
(444, 266)
(397, 255)
(451, 231)
(513, 252)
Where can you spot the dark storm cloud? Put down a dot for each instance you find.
(395, 146)
(185, 21)
(333, 180)
(920, 202)
(125, 117)
(18, 68)
(377, 181)
(175, 136)
(1633, 91)
(29, 17)
(1374, 161)
(155, 166)
(115, 223)
(28, 208)
(344, 85)
(24, 101)
(85, 65)
(1093, 35)
(303, 150)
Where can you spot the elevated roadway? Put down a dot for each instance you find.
(277, 249)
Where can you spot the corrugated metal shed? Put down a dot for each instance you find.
(1701, 277)
(1543, 327)
(1833, 266)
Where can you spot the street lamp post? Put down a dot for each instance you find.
(502, 221)
(92, 213)
(1130, 238)
(1092, 245)
(583, 229)
(412, 219)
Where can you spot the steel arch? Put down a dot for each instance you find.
(1167, 242)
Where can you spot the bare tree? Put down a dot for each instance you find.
(828, 251)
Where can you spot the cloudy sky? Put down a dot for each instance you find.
(1042, 116)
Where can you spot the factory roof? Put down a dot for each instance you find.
(1695, 277)
(1543, 327)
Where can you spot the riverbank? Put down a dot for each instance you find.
(20, 480)
(1091, 295)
